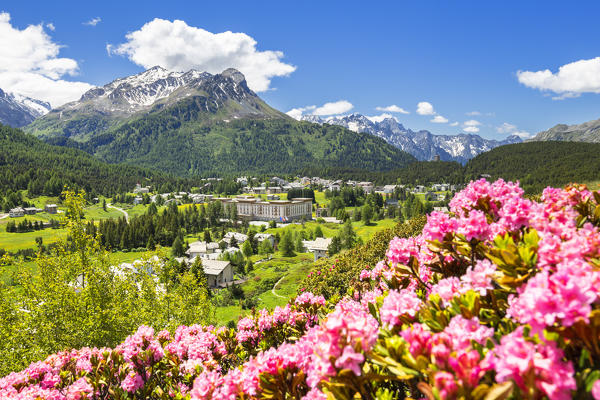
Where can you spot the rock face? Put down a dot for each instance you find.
(422, 144)
(18, 111)
(224, 96)
(586, 132)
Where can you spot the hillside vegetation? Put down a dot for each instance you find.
(41, 168)
(539, 164)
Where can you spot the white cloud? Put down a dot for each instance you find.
(333, 108)
(471, 129)
(29, 65)
(471, 122)
(50, 26)
(511, 129)
(438, 119)
(93, 21)
(393, 108)
(297, 113)
(473, 113)
(506, 128)
(571, 80)
(177, 46)
(455, 123)
(425, 108)
(381, 117)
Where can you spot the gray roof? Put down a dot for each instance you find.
(214, 267)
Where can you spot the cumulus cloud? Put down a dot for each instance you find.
(438, 119)
(93, 21)
(177, 46)
(506, 128)
(455, 123)
(393, 108)
(511, 129)
(381, 117)
(30, 65)
(471, 126)
(571, 80)
(425, 108)
(334, 108)
(297, 113)
(472, 122)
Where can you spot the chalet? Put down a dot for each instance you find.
(218, 273)
(318, 247)
(16, 212)
(51, 208)
(140, 189)
(201, 249)
(367, 187)
(260, 237)
(138, 200)
(389, 189)
(238, 237)
(31, 210)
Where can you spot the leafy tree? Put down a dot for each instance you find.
(265, 247)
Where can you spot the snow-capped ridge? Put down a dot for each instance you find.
(422, 144)
(18, 110)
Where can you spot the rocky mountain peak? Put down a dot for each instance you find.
(234, 74)
(17, 110)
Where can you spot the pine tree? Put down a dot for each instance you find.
(151, 245)
(207, 237)
(318, 232)
(177, 248)
(334, 246)
(247, 248)
(286, 246)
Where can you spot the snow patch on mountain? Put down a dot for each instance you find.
(18, 110)
(422, 144)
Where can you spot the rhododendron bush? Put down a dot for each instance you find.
(498, 299)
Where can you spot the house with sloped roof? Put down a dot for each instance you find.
(318, 246)
(218, 273)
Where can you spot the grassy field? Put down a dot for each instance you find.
(12, 241)
(365, 232)
(261, 281)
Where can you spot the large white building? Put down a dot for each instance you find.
(277, 210)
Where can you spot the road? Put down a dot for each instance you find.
(275, 285)
(2, 216)
(120, 209)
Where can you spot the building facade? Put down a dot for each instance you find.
(276, 210)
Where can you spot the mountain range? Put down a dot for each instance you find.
(586, 132)
(422, 144)
(17, 110)
(190, 123)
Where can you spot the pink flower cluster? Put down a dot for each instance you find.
(531, 364)
(302, 352)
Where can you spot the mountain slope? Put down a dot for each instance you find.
(29, 163)
(101, 109)
(586, 132)
(197, 123)
(422, 144)
(18, 111)
(539, 164)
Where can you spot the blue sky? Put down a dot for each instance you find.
(460, 57)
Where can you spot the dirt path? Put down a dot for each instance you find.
(120, 209)
(274, 286)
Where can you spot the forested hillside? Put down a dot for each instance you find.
(29, 163)
(539, 164)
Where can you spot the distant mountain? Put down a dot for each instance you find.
(198, 123)
(586, 132)
(422, 144)
(17, 110)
